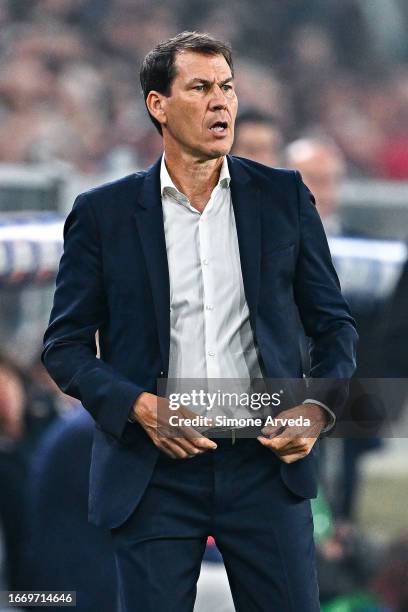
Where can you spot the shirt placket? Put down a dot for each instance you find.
(207, 271)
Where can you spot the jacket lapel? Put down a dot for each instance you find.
(246, 203)
(149, 220)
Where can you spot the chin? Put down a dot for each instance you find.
(220, 150)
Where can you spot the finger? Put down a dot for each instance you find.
(288, 455)
(173, 447)
(188, 433)
(163, 448)
(196, 445)
(167, 431)
(180, 446)
(204, 443)
(188, 446)
(158, 442)
(197, 439)
(272, 430)
(194, 435)
(293, 450)
(183, 448)
(282, 445)
(167, 452)
(292, 458)
(295, 434)
(277, 443)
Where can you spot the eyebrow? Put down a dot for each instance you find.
(206, 82)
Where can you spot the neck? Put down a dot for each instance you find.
(194, 177)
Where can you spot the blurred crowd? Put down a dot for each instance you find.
(69, 87)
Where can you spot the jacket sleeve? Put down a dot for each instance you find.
(324, 312)
(79, 310)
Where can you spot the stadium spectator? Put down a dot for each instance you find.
(25, 413)
(12, 464)
(62, 550)
(322, 166)
(258, 137)
(68, 89)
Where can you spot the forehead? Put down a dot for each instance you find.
(193, 64)
(322, 160)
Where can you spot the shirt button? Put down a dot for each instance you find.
(205, 262)
(211, 354)
(208, 307)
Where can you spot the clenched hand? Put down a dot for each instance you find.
(153, 413)
(291, 443)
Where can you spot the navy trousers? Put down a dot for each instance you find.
(235, 494)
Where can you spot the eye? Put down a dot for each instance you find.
(199, 87)
(227, 87)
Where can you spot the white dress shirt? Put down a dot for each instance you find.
(210, 332)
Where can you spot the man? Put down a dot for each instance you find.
(258, 137)
(322, 166)
(196, 268)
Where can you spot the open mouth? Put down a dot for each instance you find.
(219, 126)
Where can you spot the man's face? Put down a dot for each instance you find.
(322, 173)
(259, 141)
(201, 108)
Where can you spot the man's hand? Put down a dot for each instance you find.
(153, 413)
(290, 442)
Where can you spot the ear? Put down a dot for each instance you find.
(156, 106)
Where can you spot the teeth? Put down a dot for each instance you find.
(218, 128)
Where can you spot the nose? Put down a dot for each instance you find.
(218, 99)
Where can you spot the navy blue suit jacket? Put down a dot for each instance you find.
(114, 278)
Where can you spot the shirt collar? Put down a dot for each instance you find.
(167, 184)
